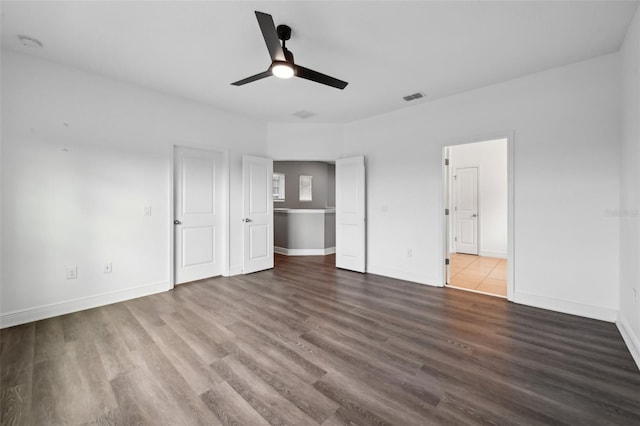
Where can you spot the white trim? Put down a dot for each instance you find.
(511, 211)
(475, 291)
(632, 341)
(445, 196)
(226, 270)
(298, 211)
(566, 306)
(403, 275)
(172, 213)
(491, 253)
(304, 252)
(10, 319)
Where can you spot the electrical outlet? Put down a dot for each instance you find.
(147, 210)
(107, 268)
(635, 296)
(72, 272)
(409, 253)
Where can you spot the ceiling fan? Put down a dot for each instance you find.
(282, 64)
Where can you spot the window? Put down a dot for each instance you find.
(305, 188)
(278, 187)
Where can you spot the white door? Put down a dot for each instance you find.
(350, 214)
(257, 213)
(197, 214)
(466, 210)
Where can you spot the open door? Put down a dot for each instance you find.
(350, 214)
(198, 216)
(257, 212)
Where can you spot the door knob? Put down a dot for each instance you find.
(246, 219)
(177, 222)
(474, 215)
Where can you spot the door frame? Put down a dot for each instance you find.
(445, 232)
(224, 186)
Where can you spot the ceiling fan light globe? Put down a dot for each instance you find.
(282, 70)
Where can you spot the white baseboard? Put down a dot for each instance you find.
(304, 252)
(403, 275)
(23, 316)
(490, 253)
(632, 341)
(565, 306)
(475, 291)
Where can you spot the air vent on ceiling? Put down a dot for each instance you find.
(30, 42)
(303, 114)
(412, 97)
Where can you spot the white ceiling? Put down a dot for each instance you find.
(384, 49)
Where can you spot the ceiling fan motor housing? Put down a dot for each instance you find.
(284, 32)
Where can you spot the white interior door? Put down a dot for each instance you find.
(350, 214)
(466, 210)
(257, 220)
(197, 214)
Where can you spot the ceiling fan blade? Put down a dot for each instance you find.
(270, 36)
(260, 76)
(318, 77)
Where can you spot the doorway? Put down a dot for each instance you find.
(304, 206)
(319, 210)
(477, 180)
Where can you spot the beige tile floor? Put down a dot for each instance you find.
(480, 273)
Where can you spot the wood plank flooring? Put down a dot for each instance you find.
(306, 344)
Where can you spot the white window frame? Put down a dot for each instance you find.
(279, 196)
(306, 188)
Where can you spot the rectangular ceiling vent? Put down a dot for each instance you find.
(414, 96)
(303, 114)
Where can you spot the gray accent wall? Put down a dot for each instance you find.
(331, 185)
(324, 184)
(304, 231)
(281, 229)
(330, 229)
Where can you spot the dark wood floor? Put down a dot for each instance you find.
(306, 344)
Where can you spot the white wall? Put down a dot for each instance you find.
(490, 157)
(629, 212)
(304, 141)
(75, 195)
(567, 131)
